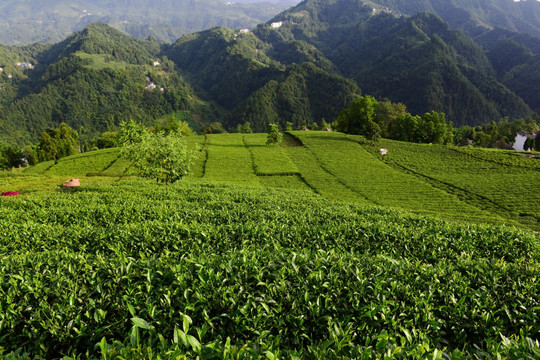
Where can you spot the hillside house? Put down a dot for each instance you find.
(276, 25)
(521, 138)
(25, 65)
(156, 63)
(1, 69)
(150, 86)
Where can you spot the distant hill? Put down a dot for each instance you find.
(28, 21)
(473, 16)
(417, 60)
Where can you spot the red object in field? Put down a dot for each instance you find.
(11, 193)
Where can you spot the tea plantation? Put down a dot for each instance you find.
(320, 249)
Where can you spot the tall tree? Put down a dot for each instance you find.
(165, 158)
(357, 118)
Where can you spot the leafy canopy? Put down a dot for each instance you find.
(274, 136)
(158, 155)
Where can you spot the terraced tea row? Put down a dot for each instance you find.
(453, 183)
(383, 185)
(506, 184)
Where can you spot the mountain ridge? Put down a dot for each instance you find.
(51, 21)
(303, 66)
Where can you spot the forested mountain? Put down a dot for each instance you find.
(303, 66)
(416, 60)
(92, 81)
(29, 21)
(251, 78)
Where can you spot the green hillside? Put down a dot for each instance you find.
(93, 80)
(304, 66)
(316, 59)
(455, 184)
(274, 251)
(474, 17)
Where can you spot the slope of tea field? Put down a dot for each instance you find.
(506, 183)
(456, 184)
(121, 268)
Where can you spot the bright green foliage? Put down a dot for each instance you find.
(165, 158)
(131, 133)
(40, 168)
(229, 160)
(269, 160)
(379, 183)
(371, 119)
(92, 162)
(320, 180)
(128, 269)
(430, 128)
(118, 168)
(274, 137)
(458, 184)
(357, 119)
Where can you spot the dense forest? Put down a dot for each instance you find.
(304, 66)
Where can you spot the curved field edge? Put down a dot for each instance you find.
(377, 183)
(501, 182)
(120, 268)
(486, 187)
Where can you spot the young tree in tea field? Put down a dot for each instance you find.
(165, 158)
(131, 133)
(274, 136)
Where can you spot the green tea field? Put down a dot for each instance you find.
(455, 184)
(317, 249)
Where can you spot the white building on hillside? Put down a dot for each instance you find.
(521, 137)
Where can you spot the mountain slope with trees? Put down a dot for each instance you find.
(472, 16)
(416, 60)
(92, 81)
(304, 66)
